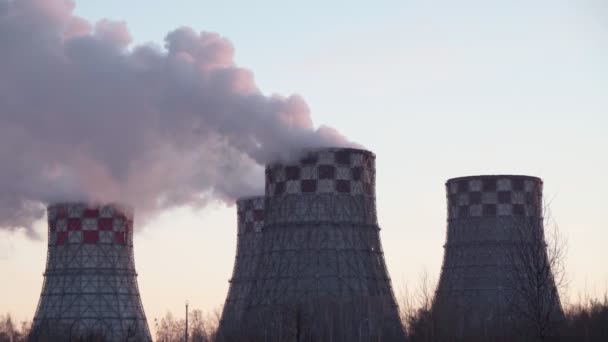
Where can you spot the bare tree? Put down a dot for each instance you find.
(7, 329)
(168, 329)
(197, 327)
(202, 327)
(536, 276)
(586, 321)
(9, 332)
(417, 310)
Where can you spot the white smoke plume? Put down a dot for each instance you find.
(87, 115)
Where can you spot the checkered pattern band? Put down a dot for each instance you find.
(78, 223)
(493, 196)
(250, 213)
(332, 170)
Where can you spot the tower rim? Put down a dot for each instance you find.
(305, 152)
(336, 149)
(493, 176)
(250, 198)
(89, 203)
(125, 207)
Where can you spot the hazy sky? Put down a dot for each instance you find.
(437, 89)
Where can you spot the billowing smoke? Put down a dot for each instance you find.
(85, 115)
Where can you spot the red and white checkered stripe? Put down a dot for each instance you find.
(494, 196)
(79, 223)
(250, 211)
(331, 170)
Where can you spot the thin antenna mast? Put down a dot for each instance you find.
(186, 337)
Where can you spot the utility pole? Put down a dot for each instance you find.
(186, 337)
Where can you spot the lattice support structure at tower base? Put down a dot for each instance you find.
(495, 256)
(250, 216)
(320, 272)
(90, 284)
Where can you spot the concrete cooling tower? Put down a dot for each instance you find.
(320, 273)
(250, 215)
(90, 287)
(495, 267)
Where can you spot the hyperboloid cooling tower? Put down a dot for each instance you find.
(321, 274)
(90, 287)
(495, 267)
(250, 215)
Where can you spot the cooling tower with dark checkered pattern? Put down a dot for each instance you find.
(250, 215)
(90, 286)
(321, 265)
(494, 223)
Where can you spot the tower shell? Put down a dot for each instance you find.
(90, 287)
(321, 273)
(494, 224)
(250, 216)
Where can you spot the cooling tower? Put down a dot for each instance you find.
(321, 274)
(90, 286)
(495, 266)
(250, 215)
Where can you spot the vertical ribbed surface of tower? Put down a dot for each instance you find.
(250, 216)
(321, 274)
(90, 287)
(494, 252)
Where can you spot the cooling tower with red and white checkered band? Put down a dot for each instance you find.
(90, 286)
(250, 216)
(495, 240)
(321, 266)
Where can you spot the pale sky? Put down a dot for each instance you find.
(437, 89)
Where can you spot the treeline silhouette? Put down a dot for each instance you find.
(584, 321)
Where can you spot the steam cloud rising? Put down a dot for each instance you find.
(84, 115)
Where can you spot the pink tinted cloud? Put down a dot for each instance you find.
(85, 115)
